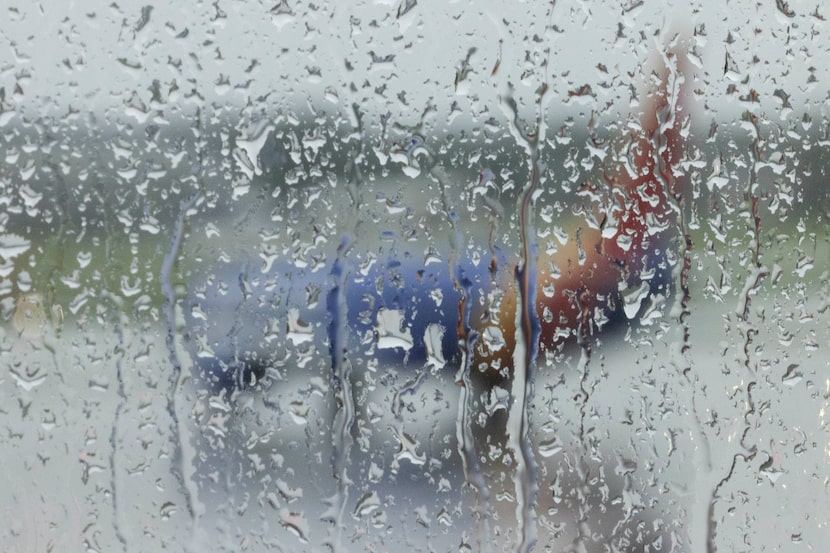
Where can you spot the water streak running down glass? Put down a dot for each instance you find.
(414, 276)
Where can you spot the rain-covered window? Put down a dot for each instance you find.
(414, 276)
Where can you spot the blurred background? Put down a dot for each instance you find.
(421, 275)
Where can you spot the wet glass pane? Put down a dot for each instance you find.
(415, 276)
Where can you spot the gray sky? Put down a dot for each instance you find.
(95, 55)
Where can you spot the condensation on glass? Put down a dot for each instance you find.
(415, 276)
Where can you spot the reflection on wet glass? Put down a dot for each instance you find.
(431, 277)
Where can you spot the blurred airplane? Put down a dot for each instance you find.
(611, 264)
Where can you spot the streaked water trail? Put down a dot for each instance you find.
(116, 483)
(473, 474)
(524, 359)
(341, 379)
(467, 338)
(177, 427)
(341, 375)
(526, 335)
